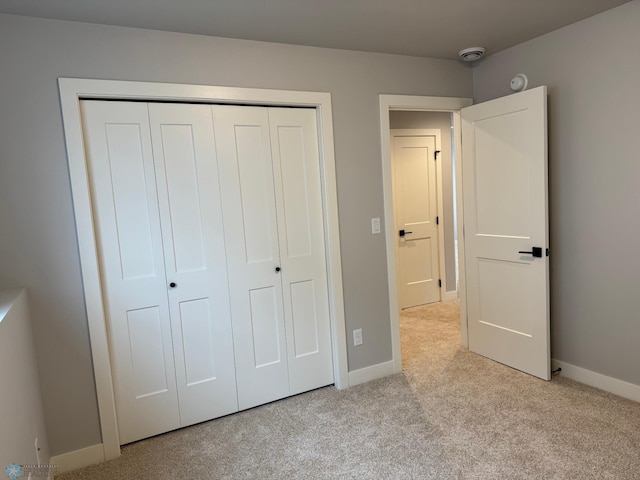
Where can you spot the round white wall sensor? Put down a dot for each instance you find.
(519, 82)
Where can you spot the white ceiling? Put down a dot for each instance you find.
(424, 28)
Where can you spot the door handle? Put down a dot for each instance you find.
(402, 233)
(536, 252)
(173, 285)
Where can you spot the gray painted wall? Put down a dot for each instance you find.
(439, 121)
(21, 408)
(592, 70)
(38, 246)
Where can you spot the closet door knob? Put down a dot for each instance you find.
(277, 269)
(173, 285)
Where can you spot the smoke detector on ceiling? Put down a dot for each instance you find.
(471, 54)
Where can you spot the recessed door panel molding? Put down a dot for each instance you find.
(256, 191)
(184, 197)
(421, 262)
(265, 327)
(418, 272)
(289, 146)
(147, 352)
(505, 295)
(419, 207)
(504, 170)
(305, 318)
(128, 181)
(197, 342)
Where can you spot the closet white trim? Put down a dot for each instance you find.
(72, 91)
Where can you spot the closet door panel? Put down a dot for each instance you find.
(147, 352)
(251, 233)
(296, 165)
(191, 215)
(304, 317)
(256, 194)
(183, 192)
(264, 306)
(126, 169)
(198, 342)
(127, 224)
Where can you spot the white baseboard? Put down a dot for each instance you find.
(356, 377)
(603, 382)
(78, 458)
(449, 296)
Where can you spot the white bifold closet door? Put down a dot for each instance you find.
(270, 184)
(210, 237)
(158, 222)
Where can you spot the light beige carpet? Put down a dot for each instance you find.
(450, 415)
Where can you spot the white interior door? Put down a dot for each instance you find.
(159, 225)
(272, 202)
(125, 207)
(195, 260)
(416, 211)
(504, 160)
(296, 167)
(253, 256)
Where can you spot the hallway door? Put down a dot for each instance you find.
(417, 222)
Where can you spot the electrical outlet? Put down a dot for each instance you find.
(357, 337)
(375, 226)
(37, 447)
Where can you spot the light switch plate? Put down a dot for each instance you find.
(375, 226)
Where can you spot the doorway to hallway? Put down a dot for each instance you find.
(424, 206)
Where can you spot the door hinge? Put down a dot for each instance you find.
(439, 283)
(437, 220)
(435, 154)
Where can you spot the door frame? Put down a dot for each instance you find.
(72, 91)
(424, 132)
(452, 105)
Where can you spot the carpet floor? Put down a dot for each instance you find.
(451, 414)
